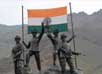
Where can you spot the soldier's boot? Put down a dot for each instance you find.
(27, 70)
(72, 68)
(37, 57)
(72, 71)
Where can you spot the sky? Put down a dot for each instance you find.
(11, 12)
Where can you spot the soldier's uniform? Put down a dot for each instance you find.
(17, 52)
(65, 55)
(34, 49)
(56, 41)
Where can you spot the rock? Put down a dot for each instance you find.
(27, 70)
(57, 70)
(79, 71)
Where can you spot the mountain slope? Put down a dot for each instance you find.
(88, 29)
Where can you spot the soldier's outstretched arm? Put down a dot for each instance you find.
(71, 39)
(27, 46)
(41, 34)
(76, 53)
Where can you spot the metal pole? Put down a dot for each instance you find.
(22, 25)
(23, 32)
(73, 33)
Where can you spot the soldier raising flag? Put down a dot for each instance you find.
(55, 39)
(34, 47)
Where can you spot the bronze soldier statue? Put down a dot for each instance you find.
(16, 53)
(55, 39)
(65, 54)
(34, 47)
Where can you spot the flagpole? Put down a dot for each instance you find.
(22, 24)
(73, 33)
(23, 31)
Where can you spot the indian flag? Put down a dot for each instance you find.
(57, 15)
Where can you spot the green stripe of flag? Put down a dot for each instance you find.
(61, 27)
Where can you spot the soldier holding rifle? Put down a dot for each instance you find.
(16, 54)
(65, 54)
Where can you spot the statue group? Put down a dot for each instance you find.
(61, 48)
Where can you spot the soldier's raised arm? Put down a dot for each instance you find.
(51, 38)
(71, 39)
(41, 34)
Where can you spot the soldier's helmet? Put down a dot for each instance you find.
(17, 37)
(63, 36)
(34, 31)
